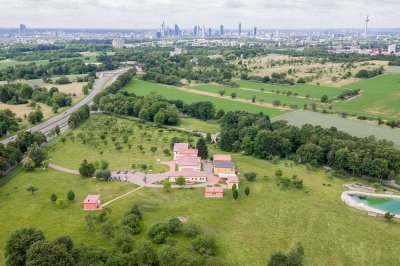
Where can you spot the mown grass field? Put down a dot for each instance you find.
(140, 87)
(315, 91)
(260, 95)
(350, 126)
(380, 97)
(88, 58)
(199, 125)
(247, 231)
(87, 143)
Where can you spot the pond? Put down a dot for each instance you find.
(385, 204)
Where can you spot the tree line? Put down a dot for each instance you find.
(256, 135)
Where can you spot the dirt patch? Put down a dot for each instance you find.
(21, 109)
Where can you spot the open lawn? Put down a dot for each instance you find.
(140, 87)
(315, 91)
(94, 141)
(199, 125)
(247, 231)
(88, 58)
(380, 97)
(350, 126)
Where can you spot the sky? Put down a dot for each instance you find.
(149, 14)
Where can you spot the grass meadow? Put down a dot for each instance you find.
(140, 87)
(247, 231)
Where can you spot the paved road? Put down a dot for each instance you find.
(61, 120)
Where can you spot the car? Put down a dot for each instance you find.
(118, 172)
(28, 130)
(125, 172)
(10, 138)
(65, 112)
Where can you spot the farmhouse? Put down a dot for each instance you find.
(214, 192)
(232, 180)
(92, 202)
(189, 175)
(222, 157)
(224, 167)
(189, 162)
(182, 149)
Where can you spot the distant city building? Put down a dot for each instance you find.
(240, 29)
(209, 31)
(22, 29)
(392, 49)
(118, 43)
(196, 30)
(176, 30)
(255, 31)
(221, 30)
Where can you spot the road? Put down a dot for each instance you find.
(61, 120)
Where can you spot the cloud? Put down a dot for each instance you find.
(187, 13)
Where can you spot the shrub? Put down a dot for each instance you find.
(204, 245)
(158, 233)
(192, 230)
(174, 225)
(251, 176)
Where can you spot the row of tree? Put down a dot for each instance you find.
(79, 116)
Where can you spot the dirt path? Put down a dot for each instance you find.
(119, 197)
(63, 169)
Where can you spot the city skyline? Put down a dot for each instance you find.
(124, 14)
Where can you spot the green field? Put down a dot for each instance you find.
(140, 87)
(87, 143)
(200, 125)
(352, 127)
(315, 91)
(248, 95)
(247, 231)
(380, 97)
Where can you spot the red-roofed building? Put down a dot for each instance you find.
(214, 192)
(232, 180)
(189, 162)
(182, 149)
(189, 175)
(92, 202)
(222, 157)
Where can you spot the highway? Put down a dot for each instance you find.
(61, 119)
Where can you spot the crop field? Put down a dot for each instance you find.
(350, 126)
(380, 97)
(119, 144)
(247, 230)
(140, 87)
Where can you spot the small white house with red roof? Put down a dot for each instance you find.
(183, 149)
(214, 192)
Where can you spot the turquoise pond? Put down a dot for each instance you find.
(383, 204)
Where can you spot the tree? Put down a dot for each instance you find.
(388, 216)
(66, 241)
(71, 195)
(253, 99)
(153, 149)
(87, 169)
(123, 243)
(130, 224)
(29, 164)
(103, 175)
(57, 130)
(204, 245)
(167, 186)
(278, 173)
(202, 148)
(180, 181)
(324, 98)
(90, 219)
(135, 210)
(19, 243)
(251, 176)
(104, 165)
(221, 92)
(192, 230)
(159, 118)
(35, 116)
(53, 197)
(234, 187)
(36, 153)
(208, 138)
(235, 194)
(158, 233)
(107, 229)
(145, 254)
(314, 107)
(247, 191)
(46, 252)
(233, 95)
(32, 189)
(174, 225)
(144, 115)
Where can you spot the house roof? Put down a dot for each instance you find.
(92, 199)
(224, 164)
(178, 147)
(233, 179)
(188, 173)
(222, 157)
(214, 189)
(190, 151)
(188, 161)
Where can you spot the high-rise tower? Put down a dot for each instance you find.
(240, 29)
(366, 26)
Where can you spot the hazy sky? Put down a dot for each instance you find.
(186, 13)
